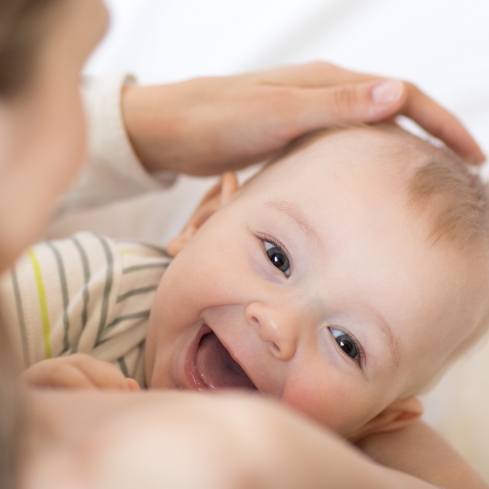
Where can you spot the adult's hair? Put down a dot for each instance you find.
(22, 26)
(23, 23)
(12, 422)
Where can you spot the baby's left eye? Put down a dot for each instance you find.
(278, 257)
(347, 344)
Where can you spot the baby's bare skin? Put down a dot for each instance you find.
(77, 371)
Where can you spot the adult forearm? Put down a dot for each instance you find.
(181, 439)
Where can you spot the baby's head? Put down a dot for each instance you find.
(342, 279)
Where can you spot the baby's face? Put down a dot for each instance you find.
(321, 284)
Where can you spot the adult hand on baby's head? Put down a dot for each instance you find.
(77, 371)
(211, 125)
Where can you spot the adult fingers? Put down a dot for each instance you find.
(378, 100)
(416, 105)
(317, 74)
(348, 104)
(441, 123)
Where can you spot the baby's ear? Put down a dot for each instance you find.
(218, 196)
(394, 417)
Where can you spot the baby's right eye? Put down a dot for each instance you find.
(277, 256)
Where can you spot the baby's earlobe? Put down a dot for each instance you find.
(215, 198)
(176, 245)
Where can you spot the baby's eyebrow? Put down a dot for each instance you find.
(386, 330)
(293, 212)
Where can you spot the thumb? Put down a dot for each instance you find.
(354, 103)
(132, 385)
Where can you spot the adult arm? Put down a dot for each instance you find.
(187, 439)
(211, 125)
(113, 172)
(420, 451)
(142, 136)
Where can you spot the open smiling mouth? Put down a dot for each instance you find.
(212, 367)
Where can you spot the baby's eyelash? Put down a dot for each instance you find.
(358, 346)
(276, 243)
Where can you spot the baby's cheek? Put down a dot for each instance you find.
(328, 402)
(216, 273)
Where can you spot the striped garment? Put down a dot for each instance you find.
(84, 294)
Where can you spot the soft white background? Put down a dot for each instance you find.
(442, 45)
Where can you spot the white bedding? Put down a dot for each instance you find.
(441, 45)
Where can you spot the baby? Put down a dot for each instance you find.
(342, 280)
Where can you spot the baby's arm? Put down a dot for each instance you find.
(77, 371)
(420, 451)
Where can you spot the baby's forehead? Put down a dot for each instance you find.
(371, 169)
(431, 183)
(377, 156)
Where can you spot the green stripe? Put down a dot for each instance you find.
(162, 251)
(140, 359)
(102, 341)
(127, 317)
(137, 268)
(132, 293)
(134, 247)
(43, 304)
(107, 288)
(20, 314)
(123, 366)
(85, 292)
(64, 293)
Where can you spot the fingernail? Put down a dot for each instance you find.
(387, 92)
(132, 384)
(475, 160)
(482, 158)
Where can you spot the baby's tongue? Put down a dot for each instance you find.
(217, 368)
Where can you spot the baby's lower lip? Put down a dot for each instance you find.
(192, 378)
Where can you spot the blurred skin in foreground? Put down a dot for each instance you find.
(180, 440)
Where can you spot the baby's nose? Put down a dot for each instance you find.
(276, 326)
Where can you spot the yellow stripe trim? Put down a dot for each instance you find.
(128, 252)
(43, 304)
